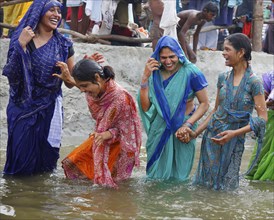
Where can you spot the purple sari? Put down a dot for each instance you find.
(33, 97)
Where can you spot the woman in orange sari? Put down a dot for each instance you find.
(110, 153)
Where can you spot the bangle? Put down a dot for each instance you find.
(188, 124)
(144, 85)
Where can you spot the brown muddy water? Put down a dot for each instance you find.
(51, 196)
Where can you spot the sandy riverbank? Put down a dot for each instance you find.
(128, 63)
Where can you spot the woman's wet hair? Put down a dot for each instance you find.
(240, 41)
(85, 70)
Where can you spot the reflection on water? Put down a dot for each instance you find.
(51, 196)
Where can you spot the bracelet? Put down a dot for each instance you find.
(144, 85)
(188, 124)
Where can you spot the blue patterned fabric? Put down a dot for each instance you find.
(33, 94)
(219, 165)
(167, 156)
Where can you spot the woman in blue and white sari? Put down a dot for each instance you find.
(34, 111)
(166, 101)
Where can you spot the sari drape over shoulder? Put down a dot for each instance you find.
(114, 160)
(167, 157)
(219, 165)
(35, 98)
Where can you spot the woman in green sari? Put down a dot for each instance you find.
(264, 170)
(166, 101)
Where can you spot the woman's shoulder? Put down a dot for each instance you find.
(194, 71)
(255, 79)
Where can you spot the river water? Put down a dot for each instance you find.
(51, 196)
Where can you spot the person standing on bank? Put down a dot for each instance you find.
(166, 100)
(239, 92)
(190, 18)
(34, 111)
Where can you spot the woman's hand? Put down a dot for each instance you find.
(185, 134)
(65, 73)
(151, 65)
(97, 57)
(99, 138)
(224, 137)
(25, 37)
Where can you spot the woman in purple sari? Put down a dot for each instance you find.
(34, 111)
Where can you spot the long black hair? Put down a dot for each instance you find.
(85, 70)
(241, 41)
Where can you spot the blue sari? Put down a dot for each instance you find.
(34, 111)
(219, 166)
(167, 157)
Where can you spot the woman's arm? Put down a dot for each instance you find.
(204, 124)
(69, 81)
(151, 65)
(66, 69)
(203, 106)
(185, 133)
(260, 106)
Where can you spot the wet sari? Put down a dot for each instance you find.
(219, 166)
(34, 111)
(264, 169)
(114, 160)
(167, 156)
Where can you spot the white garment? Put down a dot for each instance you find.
(55, 131)
(208, 39)
(169, 19)
(108, 11)
(74, 3)
(94, 10)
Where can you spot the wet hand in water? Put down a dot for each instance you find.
(223, 137)
(65, 73)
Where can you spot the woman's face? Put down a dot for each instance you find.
(232, 56)
(92, 89)
(52, 18)
(169, 60)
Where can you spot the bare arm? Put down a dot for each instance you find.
(71, 83)
(201, 110)
(181, 32)
(65, 75)
(151, 65)
(204, 124)
(203, 106)
(260, 106)
(196, 36)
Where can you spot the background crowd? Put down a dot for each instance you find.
(149, 19)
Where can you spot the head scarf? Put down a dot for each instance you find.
(33, 16)
(172, 44)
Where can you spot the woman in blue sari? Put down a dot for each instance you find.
(166, 101)
(239, 92)
(34, 111)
